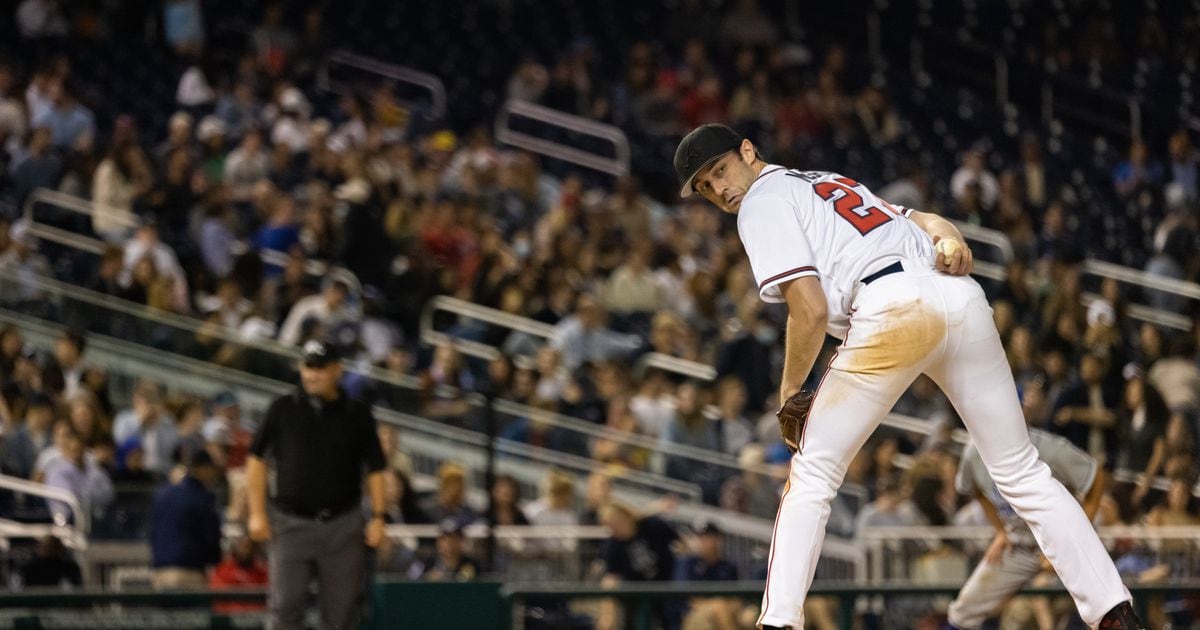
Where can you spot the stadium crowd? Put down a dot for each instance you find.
(256, 159)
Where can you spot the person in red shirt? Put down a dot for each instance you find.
(242, 567)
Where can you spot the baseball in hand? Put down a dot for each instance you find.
(947, 246)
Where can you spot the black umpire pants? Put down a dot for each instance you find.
(332, 551)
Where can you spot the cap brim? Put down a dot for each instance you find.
(687, 191)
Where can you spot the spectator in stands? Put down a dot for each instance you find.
(554, 507)
(733, 429)
(41, 18)
(1177, 507)
(71, 124)
(582, 337)
(121, 179)
(21, 264)
(273, 41)
(450, 502)
(190, 412)
(147, 244)
(51, 567)
(597, 494)
(1185, 164)
(653, 407)
(225, 427)
(63, 374)
(639, 548)
(88, 420)
(148, 422)
(632, 288)
(403, 505)
(62, 433)
(1085, 412)
(974, 171)
(504, 508)
(1143, 425)
(1177, 377)
(185, 531)
(750, 491)
(31, 437)
(1138, 171)
(452, 563)
(747, 357)
(891, 507)
(1172, 261)
(84, 479)
(107, 278)
(707, 563)
(246, 166)
(242, 567)
(39, 167)
(325, 310)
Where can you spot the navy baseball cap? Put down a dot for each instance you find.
(700, 148)
(318, 353)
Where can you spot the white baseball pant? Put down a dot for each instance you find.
(902, 325)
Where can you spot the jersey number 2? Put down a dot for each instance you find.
(850, 205)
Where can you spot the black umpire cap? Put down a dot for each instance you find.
(318, 353)
(700, 148)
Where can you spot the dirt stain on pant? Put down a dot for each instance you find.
(909, 332)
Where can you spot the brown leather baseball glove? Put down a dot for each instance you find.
(792, 416)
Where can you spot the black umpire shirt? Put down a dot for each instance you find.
(320, 449)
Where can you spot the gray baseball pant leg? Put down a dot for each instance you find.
(341, 571)
(291, 557)
(991, 585)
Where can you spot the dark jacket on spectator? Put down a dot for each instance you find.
(185, 530)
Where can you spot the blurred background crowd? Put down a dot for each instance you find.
(205, 139)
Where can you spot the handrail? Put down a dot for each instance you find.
(71, 537)
(412, 76)
(986, 532)
(407, 382)
(82, 518)
(676, 365)
(1145, 278)
(616, 166)
(79, 205)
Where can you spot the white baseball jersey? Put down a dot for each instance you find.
(805, 223)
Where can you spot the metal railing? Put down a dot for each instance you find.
(81, 518)
(642, 595)
(578, 125)
(393, 72)
(92, 245)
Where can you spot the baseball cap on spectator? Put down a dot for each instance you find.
(211, 127)
(1131, 371)
(225, 399)
(450, 527)
(318, 353)
(1100, 312)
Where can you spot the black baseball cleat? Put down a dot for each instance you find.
(1121, 617)
(776, 628)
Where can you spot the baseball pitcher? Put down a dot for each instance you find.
(892, 283)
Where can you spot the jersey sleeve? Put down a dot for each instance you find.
(776, 245)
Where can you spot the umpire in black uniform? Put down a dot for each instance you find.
(318, 442)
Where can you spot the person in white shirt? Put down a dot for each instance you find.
(84, 479)
(327, 308)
